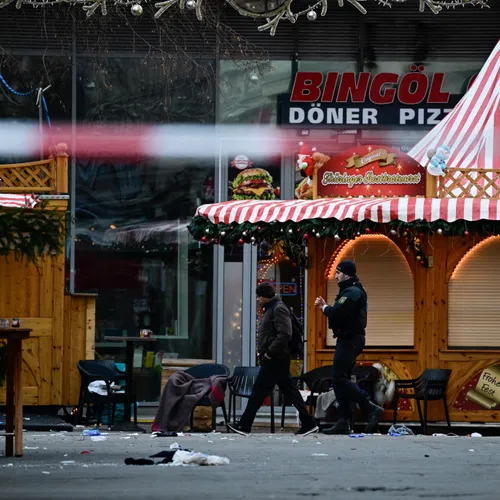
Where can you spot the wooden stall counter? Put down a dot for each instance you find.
(14, 409)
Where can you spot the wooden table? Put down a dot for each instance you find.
(127, 425)
(14, 410)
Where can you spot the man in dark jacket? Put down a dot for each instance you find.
(347, 318)
(275, 332)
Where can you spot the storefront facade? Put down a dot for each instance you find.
(130, 243)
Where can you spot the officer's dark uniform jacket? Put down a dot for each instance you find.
(348, 316)
(275, 330)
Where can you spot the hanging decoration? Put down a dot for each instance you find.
(294, 236)
(270, 11)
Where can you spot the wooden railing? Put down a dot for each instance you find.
(465, 183)
(45, 176)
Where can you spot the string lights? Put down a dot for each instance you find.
(270, 12)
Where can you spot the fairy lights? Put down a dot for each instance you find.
(475, 249)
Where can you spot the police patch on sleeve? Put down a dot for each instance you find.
(342, 300)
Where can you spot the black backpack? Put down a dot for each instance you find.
(296, 344)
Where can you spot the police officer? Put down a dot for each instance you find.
(347, 318)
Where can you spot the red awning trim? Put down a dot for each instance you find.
(18, 200)
(375, 209)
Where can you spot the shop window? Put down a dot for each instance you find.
(388, 281)
(473, 291)
(249, 90)
(133, 248)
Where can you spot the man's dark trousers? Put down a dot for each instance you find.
(274, 372)
(344, 361)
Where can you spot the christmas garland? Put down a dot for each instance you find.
(31, 234)
(295, 235)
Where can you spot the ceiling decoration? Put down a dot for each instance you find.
(270, 12)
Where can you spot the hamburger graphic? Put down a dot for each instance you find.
(253, 184)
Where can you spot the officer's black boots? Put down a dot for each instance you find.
(340, 427)
(373, 413)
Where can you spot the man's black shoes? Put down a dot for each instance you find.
(305, 430)
(239, 429)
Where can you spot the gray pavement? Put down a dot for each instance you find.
(263, 466)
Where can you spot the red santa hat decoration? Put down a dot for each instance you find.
(305, 161)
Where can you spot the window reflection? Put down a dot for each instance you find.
(249, 90)
(133, 247)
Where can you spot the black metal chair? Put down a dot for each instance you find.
(431, 385)
(205, 371)
(240, 386)
(106, 370)
(317, 381)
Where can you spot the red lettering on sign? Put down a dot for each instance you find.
(357, 90)
(379, 94)
(288, 289)
(436, 95)
(413, 88)
(307, 86)
(329, 90)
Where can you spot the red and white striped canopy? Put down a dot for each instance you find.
(472, 129)
(18, 200)
(375, 209)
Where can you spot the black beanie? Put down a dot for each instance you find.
(347, 267)
(266, 290)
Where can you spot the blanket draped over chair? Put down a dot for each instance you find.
(180, 397)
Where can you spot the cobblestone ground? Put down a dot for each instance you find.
(280, 466)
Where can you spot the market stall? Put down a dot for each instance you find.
(424, 230)
(33, 206)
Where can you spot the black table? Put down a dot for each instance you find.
(127, 425)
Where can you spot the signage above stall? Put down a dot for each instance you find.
(369, 171)
(347, 100)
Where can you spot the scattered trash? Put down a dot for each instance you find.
(85, 452)
(357, 435)
(319, 455)
(10, 465)
(91, 432)
(427, 456)
(67, 462)
(318, 442)
(222, 439)
(476, 435)
(438, 434)
(98, 438)
(26, 418)
(210, 441)
(79, 426)
(183, 457)
(125, 437)
(175, 446)
(31, 447)
(294, 441)
(400, 430)
(472, 450)
(45, 472)
(231, 439)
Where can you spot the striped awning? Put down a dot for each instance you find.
(375, 209)
(18, 200)
(472, 129)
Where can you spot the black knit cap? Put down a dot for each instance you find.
(347, 267)
(265, 290)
